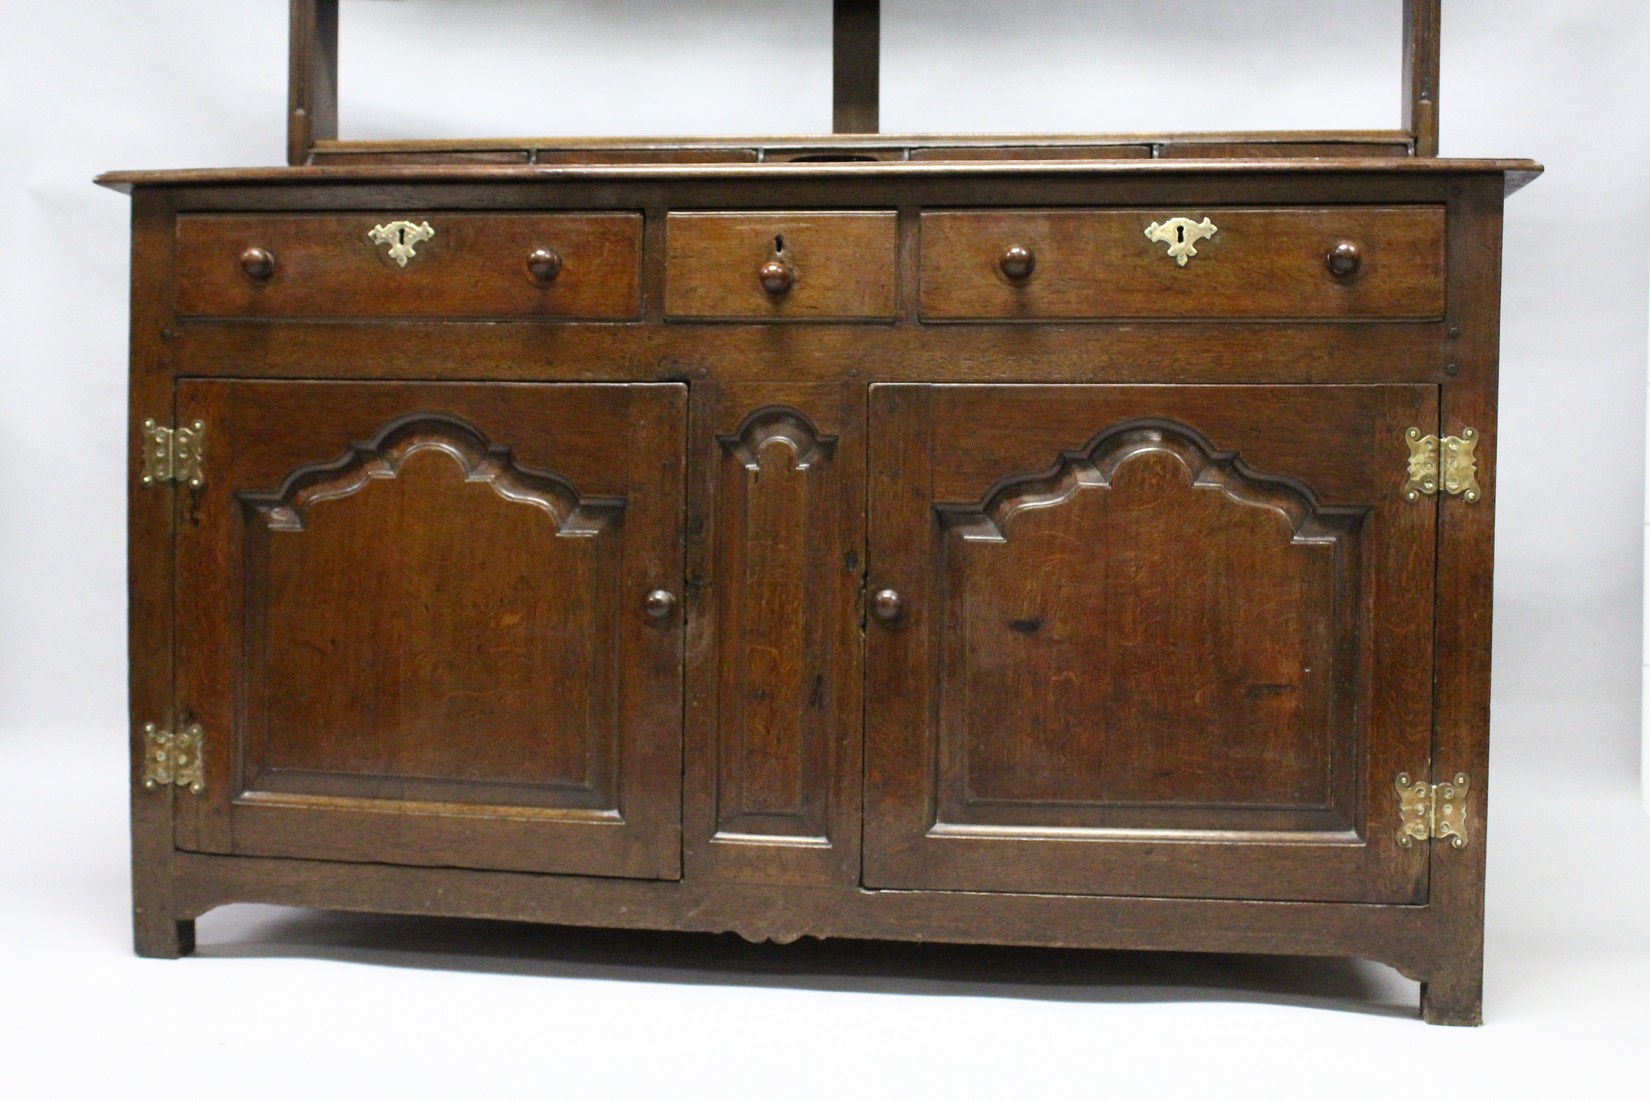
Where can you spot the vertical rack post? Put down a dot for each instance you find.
(1422, 24)
(856, 62)
(312, 80)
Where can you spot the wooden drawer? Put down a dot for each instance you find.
(475, 265)
(1258, 264)
(842, 266)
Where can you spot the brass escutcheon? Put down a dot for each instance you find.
(401, 237)
(1181, 235)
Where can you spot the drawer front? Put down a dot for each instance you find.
(1257, 264)
(840, 266)
(470, 265)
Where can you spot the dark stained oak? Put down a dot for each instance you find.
(856, 60)
(788, 542)
(1073, 352)
(838, 535)
(1423, 20)
(855, 147)
(1452, 991)
(159, 926)
(312, 78)
(1181, 149)
(1179, 628)
(474, 266)
(331, 155)
(1257, 263)
(1401, 936)
(1342, 178)
(1030, 152)
(344, 561)
(643, 156)
(801, 266)
(1237, 770)
(1175, 641)
(418, 619)
(773, 776)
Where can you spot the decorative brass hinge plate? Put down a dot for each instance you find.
(1432, 811)
(173, 454)
(173, 759)
(1451, 463)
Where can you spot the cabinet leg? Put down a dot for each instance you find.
(158, 936)
(1454, 997)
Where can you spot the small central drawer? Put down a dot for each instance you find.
(801, 266)
(423, 265)
(1330, 263)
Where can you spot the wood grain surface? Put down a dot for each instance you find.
(1258, 263)
(775, 796)
(843, 264)
(474, 266)
(416, 624)
(1148, 629)
(1170, 627)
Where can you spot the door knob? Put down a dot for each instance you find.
(1017, 263)
(258, 263)
(659, 603)
(1344, 259)
(544, 264)
(888, 606)
(776, 277)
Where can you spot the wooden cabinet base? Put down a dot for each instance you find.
(1412, 939)
(1092, 554)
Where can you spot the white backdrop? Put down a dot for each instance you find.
(89, 85)
(96, 84)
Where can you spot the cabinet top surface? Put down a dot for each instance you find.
(1517, 172)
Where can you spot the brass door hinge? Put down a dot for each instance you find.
(173, 454)
(1432, 811)
(173, 759)
(1450, 463)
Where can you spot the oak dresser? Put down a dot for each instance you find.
(1073, 541)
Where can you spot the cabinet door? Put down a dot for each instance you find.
(435, 623)
(1147, 640)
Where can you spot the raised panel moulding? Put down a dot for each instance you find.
(1096, 463)
(359, 684)
(774, 743)
(1160, 653)
(481, 461)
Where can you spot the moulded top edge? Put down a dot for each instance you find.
(1517, 172)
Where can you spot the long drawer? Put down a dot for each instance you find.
(1340, 263)
(427, 265)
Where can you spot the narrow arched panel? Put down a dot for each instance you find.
(773, 774)
(778, 476)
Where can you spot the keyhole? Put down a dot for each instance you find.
(779, 244)
(1180, 234)
(401, 235)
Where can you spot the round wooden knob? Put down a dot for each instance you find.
(659, 603)
(1018, 263)
(888, 606)
(776, 277)
(1344, 260)
(544, 264)
(258, 263)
